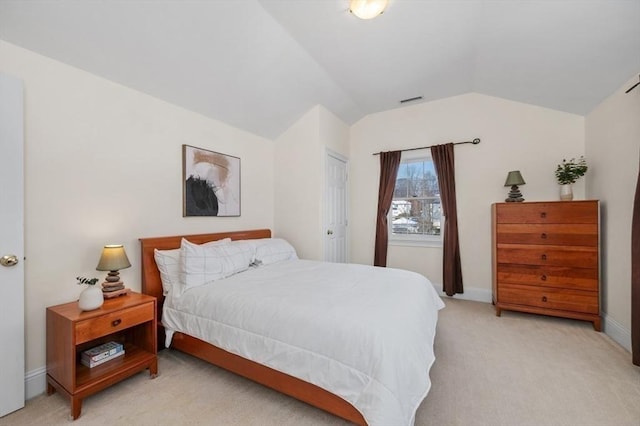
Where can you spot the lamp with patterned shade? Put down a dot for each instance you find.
(514, 178)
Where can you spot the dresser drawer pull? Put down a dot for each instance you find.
(544, 257)
(544, 298)
(116, 323)
(543, 278)
(543, 236)
(543, 215)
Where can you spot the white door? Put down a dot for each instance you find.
(11, 246)
(335, 232)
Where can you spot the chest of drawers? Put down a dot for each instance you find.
(546, 259)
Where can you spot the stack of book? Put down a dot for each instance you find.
(101, 354)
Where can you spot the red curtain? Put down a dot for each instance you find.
(389, 164)
(451, 266)
(635, 277)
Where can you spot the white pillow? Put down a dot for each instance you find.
(202, 264)
(168, 262)
(272, 250)
(249, 245)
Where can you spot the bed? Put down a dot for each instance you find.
(295, 353)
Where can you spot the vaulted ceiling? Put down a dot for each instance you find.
(261, 64)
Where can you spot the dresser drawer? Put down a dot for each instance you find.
(110, 323)
(549, 276)
(582, 234)
(574, 256)
(567, 300)
(555, 212)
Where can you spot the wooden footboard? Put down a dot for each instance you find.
(259, 373)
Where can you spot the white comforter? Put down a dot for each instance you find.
(360, 332)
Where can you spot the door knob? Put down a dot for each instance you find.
(8, 260)
(329, 232)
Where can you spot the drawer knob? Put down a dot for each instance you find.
(543, 278)
(544, 298)
(116, 323)
(543, 215)
(543, 236)
(544, 257)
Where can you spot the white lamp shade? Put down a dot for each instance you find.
(367, 9)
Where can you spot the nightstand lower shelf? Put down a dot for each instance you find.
(92, 380)
(134, 359)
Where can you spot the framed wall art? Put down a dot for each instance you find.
(211, 183)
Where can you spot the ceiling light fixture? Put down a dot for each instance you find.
(367, 9)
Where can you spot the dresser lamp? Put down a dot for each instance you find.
(113, 259)
(514, 178)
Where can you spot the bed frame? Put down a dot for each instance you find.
(266, 376)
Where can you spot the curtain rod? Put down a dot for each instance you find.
(633, 87)
(476, 141)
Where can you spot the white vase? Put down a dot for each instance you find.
(566, 192)
(91, 298)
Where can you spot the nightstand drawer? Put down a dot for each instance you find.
(112, 322)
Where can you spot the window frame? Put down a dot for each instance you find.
(416, 240)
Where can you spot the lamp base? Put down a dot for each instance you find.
(121, 292)
(113, 276)
(514, 195)
(109, 287)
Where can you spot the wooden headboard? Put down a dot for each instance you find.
(151, 283)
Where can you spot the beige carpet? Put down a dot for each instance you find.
(519, 369)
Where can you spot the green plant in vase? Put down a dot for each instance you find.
(89, 281)
(91, 297)
(567, 173)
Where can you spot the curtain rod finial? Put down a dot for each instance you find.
(476, 141)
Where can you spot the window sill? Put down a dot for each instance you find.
(415, 243)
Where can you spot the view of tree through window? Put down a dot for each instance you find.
(415, 208)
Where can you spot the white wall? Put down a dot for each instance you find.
(515, 136)
(334, 133)
(103, 165)
(300, 177)
(613, 151)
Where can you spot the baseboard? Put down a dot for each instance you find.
(470, 293)
(616, 331)
(35, 382)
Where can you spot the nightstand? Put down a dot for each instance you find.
(130, 320)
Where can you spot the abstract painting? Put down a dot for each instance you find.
(211, 183)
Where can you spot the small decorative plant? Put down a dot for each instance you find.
(89, 281)
(570, 171)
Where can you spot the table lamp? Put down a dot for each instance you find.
(113, 259)
(514, 178)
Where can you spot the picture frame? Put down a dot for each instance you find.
(210, 182)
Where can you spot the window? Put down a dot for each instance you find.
(415, 216)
